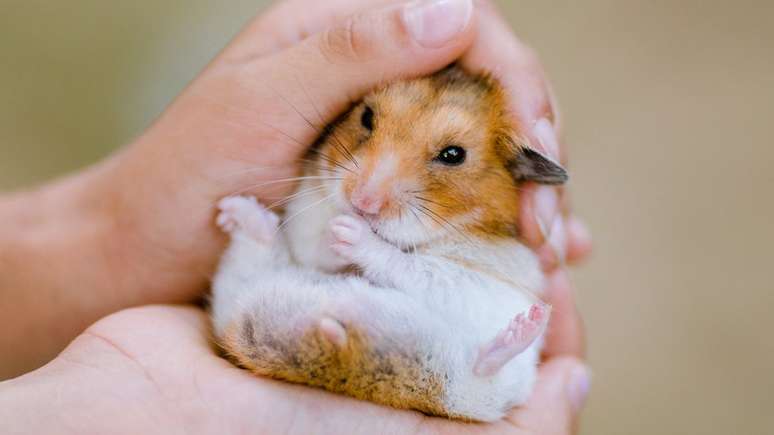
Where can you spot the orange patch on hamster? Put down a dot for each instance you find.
(360, 368)
(414, 121)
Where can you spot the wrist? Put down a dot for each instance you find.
(50, 257)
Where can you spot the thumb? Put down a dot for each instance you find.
(282, 101)
(559, 396)
(322, 75)
(248, 118)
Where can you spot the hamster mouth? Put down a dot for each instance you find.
(402, 246)
(373, 222)
(393, 228)
(376, 223)
(391, 231)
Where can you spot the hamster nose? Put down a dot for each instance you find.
(366, 203)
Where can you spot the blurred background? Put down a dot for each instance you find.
(669, 110)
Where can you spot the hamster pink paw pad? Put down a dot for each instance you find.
(348, 233)
(520, 333)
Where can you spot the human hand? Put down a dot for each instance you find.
(146, 214)
(141, 223)
(547, 222)
(153, 370)
(247, 120)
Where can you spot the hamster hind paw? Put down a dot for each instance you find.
(242, 213)
(333, 331)
(520, 333)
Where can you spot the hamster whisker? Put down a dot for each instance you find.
(332, 131)
(431, 201)
(421, 224)
(270, 168)
(443, 224)
(298, 213)
(316, 165)
(252, 169)
(302, 178)
(258, 169)
(319, 130)
(328, 158)
(283, 133)
(297, 195)
(424, 210)
(450, 224)
(343, 149)
(316, 128)
(285, 180)
(331, 160)
(431, 213)
(298, 142)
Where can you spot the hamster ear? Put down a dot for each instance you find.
(531, 165)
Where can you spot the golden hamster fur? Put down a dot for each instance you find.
(396, 274)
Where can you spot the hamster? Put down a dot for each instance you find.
(396, 275)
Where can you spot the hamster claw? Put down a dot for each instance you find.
(520, 333)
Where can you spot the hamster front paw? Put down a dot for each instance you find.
(352, 236)
(246, 214)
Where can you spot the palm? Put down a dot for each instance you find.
(161, 359)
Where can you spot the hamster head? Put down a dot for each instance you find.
(431, 158)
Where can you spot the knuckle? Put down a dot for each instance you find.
(346, 42)
(531, 57)
(486, 6)
(524, 56)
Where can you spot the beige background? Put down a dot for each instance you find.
(669, 110)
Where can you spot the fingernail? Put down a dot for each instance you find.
(433, 23)
(546, 208)
(557, 240)
(546, 135)
(578, 387)
(579, 230)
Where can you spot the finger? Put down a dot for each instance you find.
(543, 228)
(319, 78)
(566, 332)
(560, 394)
(578, 237)
(565, 240)
(288, 22)
(579, 243)
(309, 84)
(518, 68)
(535, 116)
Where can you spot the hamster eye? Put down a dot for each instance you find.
(367, 119)
(452, 155)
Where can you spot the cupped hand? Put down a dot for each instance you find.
(246, 122)
(141, 222)
(547, 222)
(153, 370)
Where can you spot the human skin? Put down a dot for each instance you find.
(137, 228)
(152, 370)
